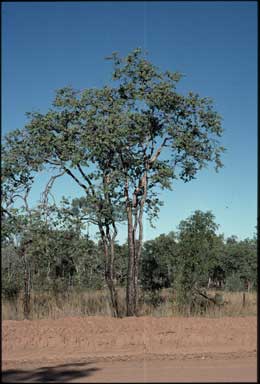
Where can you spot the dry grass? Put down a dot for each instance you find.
(90, 303)
(47, 305)
(233, 306)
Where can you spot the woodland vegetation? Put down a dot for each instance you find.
(65, 260)
(119, 144)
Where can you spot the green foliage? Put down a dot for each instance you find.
(196, 256)
(118, 132)
(234, 283)
(62, 258)
(240, 259)
(121, 261)
(11, 276)
(158, 262)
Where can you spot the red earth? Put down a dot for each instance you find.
(135, 349)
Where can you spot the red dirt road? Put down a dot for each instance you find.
(144, 349)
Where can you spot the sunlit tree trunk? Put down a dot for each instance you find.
(109, 252)
(135, 224)
(130, 289)
(27, 281)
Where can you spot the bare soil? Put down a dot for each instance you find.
(142, 349)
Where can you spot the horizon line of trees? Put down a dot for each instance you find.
(60, 257)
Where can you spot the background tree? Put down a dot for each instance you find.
(17, 253)
(119, 144)
(159, 262)
(196, 259)
(217, 273)
(11, 268)
(63, 260)
(240, 263)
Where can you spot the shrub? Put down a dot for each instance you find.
(234, 283)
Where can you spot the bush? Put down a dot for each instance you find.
(234, 283)
(10, 291)
(153, 298)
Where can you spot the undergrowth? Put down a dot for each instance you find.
(47, 305)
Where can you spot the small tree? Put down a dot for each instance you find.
(196, 254)
(23, 228)
(240, 263)
(119, 144)
(16, 222)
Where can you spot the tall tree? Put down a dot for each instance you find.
(119, 144)
(163, 136)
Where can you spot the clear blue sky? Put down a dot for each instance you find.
(46, 46)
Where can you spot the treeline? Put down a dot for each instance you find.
(45, 258)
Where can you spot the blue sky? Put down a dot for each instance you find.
(48, 45)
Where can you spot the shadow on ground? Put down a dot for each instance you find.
(60, 373)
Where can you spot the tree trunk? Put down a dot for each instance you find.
(138, 244)
(110, 278)
(27, 279)
(108, 244)
(130, 289)
(134, 246)
(244, 300)
(113, 296)
(137, 256)
(27, 290)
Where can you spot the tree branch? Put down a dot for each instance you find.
(49, 186)
(24, 198)
(76, 179)
(52, 162)
(157, 153)
(87, 179)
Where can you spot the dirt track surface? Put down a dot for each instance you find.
(142, 349)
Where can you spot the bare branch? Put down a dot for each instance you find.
(126, 192)
(87, 179)
(53, 162)
(24, 198)
(157, 153)
(51, 194)
(115, 230)
(3, 210)
(48, 188)
(152, 147)
(75, 178)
